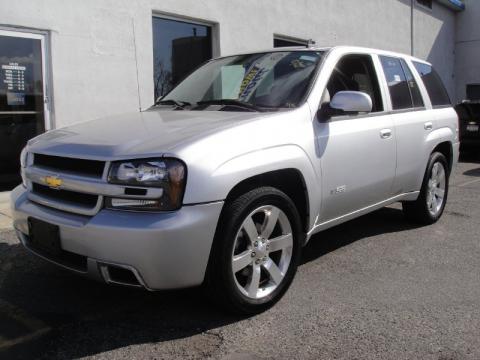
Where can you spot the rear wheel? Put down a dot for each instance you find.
(429, 206)
(256, 251)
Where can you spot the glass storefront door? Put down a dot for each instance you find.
(23, 108)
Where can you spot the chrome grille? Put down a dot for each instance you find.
(80, 186)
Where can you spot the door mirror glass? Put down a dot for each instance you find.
(352, 102)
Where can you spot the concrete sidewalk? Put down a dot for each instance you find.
(5, 213)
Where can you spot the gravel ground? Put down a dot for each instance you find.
(376, 287)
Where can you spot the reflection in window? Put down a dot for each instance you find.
(397, 83)
(435, 88)
(178, 48)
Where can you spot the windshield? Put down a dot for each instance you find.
(264, 80)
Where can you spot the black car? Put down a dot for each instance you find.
(469, 114)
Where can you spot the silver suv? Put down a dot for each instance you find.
(227, 177)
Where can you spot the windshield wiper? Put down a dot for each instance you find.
(177, 103)
(231, 102)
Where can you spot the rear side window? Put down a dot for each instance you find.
(435, 88)
(403, 88)
(412, 86)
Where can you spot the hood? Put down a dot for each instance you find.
(149, 133)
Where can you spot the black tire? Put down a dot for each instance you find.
(220, 284)
(418, 210)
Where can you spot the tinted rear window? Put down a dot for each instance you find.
(398, 84)
(435, 88)
(412, 85)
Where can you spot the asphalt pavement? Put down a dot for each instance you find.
(377, 287)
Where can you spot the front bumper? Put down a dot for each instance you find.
(162, 250)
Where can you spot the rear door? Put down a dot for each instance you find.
(412, 120)
(357, 152)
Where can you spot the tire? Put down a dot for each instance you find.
(249, 232)
(429, 206)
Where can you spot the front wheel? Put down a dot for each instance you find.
(429, 206)
(255, 252)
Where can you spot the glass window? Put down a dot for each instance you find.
(435, 88)
(266, 80)
(178, 48)
(412, 85)
(397, 83)
(426, 3)
(473, 92)
(21, 101)
(356, 73)
(283, 42)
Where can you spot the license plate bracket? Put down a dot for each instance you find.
(45, 237)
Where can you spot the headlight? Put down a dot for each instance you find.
(23, 165)
(167, 174)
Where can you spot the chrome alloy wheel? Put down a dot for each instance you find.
(436, 188)
(262, 252)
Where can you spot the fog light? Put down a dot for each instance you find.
(134, 203)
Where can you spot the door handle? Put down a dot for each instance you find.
(386, 133)
(428, 125)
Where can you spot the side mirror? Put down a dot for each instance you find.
(351, 102)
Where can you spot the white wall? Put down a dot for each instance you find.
(93, 52)
(467, 66)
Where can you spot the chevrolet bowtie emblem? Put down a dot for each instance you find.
(53, 181)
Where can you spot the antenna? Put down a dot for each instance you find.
(136, 65)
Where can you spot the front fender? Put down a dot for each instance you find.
(233, 171)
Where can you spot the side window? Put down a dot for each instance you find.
(356, 73)
(397, 83)
(435, 88)
(412, 85)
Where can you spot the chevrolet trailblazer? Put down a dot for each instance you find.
(224, 180)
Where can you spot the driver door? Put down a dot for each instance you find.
(357, 152)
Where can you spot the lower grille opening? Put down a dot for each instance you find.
(66, 258)
(66, 196)
(122, 276)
